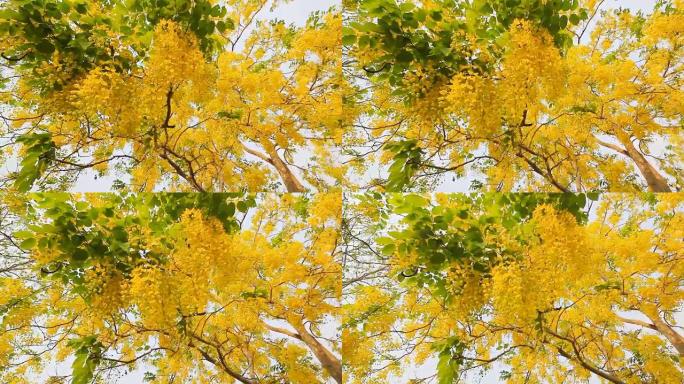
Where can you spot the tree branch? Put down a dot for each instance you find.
(283, 331)
(225, 368)
(637, 322)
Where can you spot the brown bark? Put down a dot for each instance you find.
(656, 182)
(327, 359)
(220, 364)
(589, 367)
(286, 175)
(576, 355)
(289, 179)
(675, 338)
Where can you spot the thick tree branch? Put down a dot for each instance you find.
(285, 173)
(672, 336)
(637, 322)
(327, 359)
(283, 331)
(539, 171)
(656, 182)
(577, 356)
(221, 365)
(613, 147)
(589, 367)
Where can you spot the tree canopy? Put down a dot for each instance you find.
(529, 287)
(520, 95)
(183, 95)
(272, 215)
(209, 288)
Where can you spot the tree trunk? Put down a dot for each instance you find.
(289, 179)
(328, 360)
(675, 338)
(656, 182)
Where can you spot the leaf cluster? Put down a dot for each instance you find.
(85, 235)
(405, 36)
(39, 152)
(467, 232)
(71, 29)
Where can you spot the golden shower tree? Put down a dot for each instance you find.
(526, 287)
(527, 95)
(183, 287)
(188, 95)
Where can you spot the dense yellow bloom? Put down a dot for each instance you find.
(570, 301)
(532, 116)
(183, 119)
(256, 298)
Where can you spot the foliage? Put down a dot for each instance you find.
(435, 243)
(406, 34)
(86, 236)
(169, 93)
(518, 95)
(406, 161)
(206, 287)
(542, 288)
(39, 151)
(71, 30)
(87, 351)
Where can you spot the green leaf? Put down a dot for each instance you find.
(46, 47)
(388, 249)
(79, 255)
(40, 150)
(64, 6)
(225, 25)
(407, 160)
(349, 39)
(574, 19)
(87, 351)
(242, 206)
(119, 233)
(81, 8)
(230, 115)
(446, 372)
(404, 57)
(23, 234)
(28, 244)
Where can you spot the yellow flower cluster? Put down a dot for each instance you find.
(568, 284)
